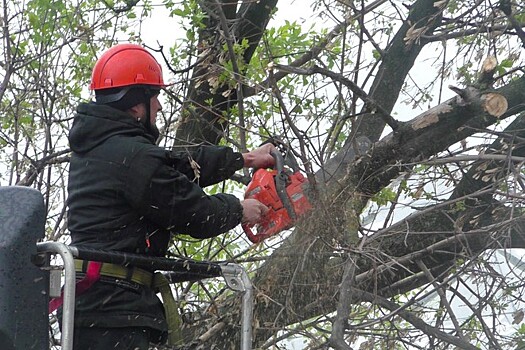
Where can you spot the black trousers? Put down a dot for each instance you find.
(126, 338)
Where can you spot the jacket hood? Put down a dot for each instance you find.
(94, 124)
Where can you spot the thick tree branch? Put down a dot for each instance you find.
(396, 62)
(252, 19)
(343, 306)
(203, 117)
(506, 7)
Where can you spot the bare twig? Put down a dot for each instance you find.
(443, 298)
(298, 133)
(494, 157)
(394, 124)
(321, 45)
(415, 321)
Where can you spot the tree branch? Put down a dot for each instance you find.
(414, 320)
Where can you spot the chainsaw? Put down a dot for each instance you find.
(283, 190)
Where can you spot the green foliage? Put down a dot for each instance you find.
(227, 77)
(505, 65)
(192, 17)
(51, 21)
(376, 54)
(385, 196)
(519, 341)
(466, 74)
(281, 44)
(452, 6)
(459, 207)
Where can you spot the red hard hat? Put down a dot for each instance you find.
(126, 65)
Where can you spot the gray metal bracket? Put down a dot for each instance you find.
(237, 279)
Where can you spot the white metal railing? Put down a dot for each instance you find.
(234, 275)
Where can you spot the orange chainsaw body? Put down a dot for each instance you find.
(281, 215)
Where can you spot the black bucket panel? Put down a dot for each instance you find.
(23, 286)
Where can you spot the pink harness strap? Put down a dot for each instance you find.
(92, 275)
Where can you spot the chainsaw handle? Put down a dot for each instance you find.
(281, 180)
(252, 236)
(279, 160)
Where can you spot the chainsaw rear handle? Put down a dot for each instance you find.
(254, 238)
(267, 227)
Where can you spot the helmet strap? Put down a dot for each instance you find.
(147, 94)
(152, 129)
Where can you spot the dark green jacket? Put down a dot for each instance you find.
(127, 194)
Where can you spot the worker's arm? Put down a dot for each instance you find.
(206, 165)
(168, 198)
(209, 165)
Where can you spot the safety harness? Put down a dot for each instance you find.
(93, 270)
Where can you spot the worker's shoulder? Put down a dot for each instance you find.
(132, 143)
(132, 148)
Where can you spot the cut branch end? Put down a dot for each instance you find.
(494, 104)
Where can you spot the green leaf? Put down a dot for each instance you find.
(178, 12)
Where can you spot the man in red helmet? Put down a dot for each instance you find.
(127, 194)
